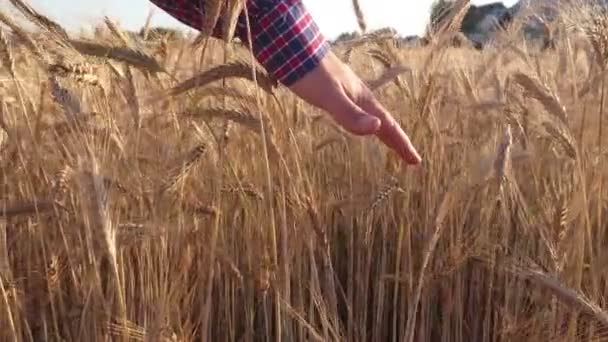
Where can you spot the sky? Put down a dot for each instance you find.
(408, 17)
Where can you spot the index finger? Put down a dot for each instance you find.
(391, 133)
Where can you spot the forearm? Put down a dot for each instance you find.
(284, 37)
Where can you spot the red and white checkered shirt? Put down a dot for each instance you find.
(285, 38)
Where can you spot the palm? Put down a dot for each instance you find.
(335, 88)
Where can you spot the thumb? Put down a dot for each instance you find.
(351, 117)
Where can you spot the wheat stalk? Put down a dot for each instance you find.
(442, 212)
(101, 230)
(503, 159)
(233, 9)
(360, 17)
(6, 55)
(213, 11)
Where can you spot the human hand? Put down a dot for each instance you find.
(335, 88)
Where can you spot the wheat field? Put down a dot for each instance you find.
(170, 190)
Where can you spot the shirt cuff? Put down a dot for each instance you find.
(285, 39)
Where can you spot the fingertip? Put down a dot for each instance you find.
(412, 157)
(414, 160)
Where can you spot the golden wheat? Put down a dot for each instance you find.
(125, 214)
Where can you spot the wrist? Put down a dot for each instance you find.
(286, 40)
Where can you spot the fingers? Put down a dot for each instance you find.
(391, 133)
(323, 88)
(351, 117)
(335, 88)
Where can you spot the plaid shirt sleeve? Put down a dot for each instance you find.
(285, 38)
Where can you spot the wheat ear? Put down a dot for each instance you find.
(81, 72)
(231, 70)
(19, 32)
(117, 32)
(39, 19)
(542, 93)
(122, 54)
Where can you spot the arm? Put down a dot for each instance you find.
(289, 44)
